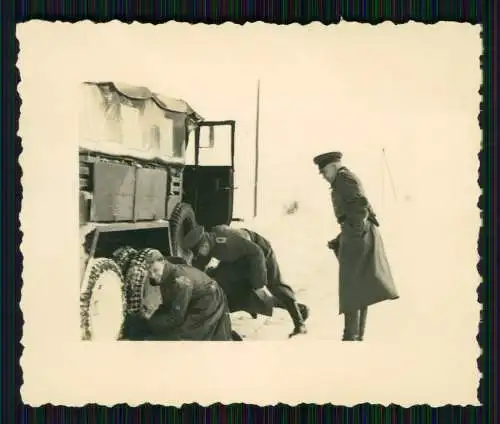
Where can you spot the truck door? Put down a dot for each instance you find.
(208, 178)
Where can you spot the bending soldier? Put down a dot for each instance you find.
(284, 295)
(247, 272)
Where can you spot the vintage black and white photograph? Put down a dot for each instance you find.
(309, 192)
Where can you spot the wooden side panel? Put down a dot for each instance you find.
(113, 197)
(151, 194)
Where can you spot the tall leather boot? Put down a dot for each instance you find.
(351, 326)
(362, 323)
(298, 321)
(304, 311)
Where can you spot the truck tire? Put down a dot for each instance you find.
(182, 221)
(137, 274)
(123, 256)
(103, 284)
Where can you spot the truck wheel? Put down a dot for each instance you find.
(137, 274)
(123, 256)
(182, 221)
(102, 301)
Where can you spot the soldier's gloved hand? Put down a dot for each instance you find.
(211, 267)
(373, 219)
(333, 244)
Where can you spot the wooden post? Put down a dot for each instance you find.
(256, 176)
(389, 173)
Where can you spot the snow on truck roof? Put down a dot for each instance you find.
(132, 121)
(144, 93)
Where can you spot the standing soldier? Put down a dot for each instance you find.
(365, 276)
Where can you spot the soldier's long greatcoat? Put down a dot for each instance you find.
(365, 276)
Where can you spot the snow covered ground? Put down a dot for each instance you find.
(429, 334)
(433, 265)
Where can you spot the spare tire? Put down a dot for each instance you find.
(102, 301)
(136, 279)
(182, 220)
(122, 256)
(137, 275)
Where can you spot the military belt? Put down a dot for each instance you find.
(371, 218)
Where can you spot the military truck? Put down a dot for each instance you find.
(143, 184)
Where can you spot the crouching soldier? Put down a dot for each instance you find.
(183, 303)
(242, 270)
(284, 295)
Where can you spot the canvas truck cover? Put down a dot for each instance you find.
(129, 121)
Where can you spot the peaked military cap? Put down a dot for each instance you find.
(325, 158)
(193, 238)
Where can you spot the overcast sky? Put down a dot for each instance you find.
(411, 89)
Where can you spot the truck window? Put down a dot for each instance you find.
(215, 145)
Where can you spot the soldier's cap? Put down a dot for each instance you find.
(326, 158)
(193, 237)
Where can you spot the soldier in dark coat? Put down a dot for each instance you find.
(365, 276)
(183, 303)
(283, 293)
(242, 270)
